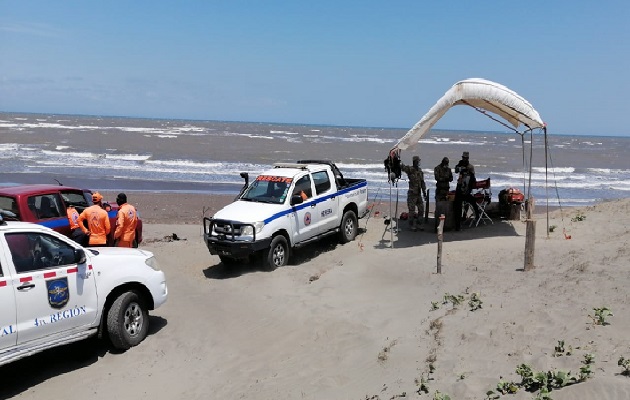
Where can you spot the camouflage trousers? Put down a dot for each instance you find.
(414, 201)
(441, 192)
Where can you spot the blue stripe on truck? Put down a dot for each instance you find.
(59, 222)
(54, 223)
(315, 201)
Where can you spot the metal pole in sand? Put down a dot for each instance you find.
(440, 235)
(391, 221)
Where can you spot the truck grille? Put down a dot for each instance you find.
(227, 228)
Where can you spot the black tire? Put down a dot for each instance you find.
(278, 253)
(349, 227)
(127, 321)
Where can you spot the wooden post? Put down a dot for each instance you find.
(530, 236)
(440, 235)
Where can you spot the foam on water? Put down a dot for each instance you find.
(584, 175)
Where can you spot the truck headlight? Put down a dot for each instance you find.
(248, 231)
(152, 262)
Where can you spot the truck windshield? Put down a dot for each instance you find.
(268, 189)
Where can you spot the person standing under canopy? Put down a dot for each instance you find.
(443, 177)
(465, 184)
(416, 193)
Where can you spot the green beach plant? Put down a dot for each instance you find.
(505, 387)
(578, 217)
(491, 395)
(600, 315)
(475, 302)
(585, 369)
(559, 350)
(625, 364)
(440, 396)
(424, 388)
(455, 300)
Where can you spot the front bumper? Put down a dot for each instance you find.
(234, 248)
(230, 245)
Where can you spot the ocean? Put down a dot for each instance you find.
(180, 156)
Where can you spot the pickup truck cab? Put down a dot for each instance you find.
(46, 205)
(285, 208)
(54, 292)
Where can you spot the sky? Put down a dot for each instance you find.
(346, 63)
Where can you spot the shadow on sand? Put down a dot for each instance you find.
(403, 237)
(298, 256)
(21, 375)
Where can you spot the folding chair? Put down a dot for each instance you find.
(483, 197)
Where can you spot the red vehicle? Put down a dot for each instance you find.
(46, 205)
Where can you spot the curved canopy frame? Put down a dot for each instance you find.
(482, 95)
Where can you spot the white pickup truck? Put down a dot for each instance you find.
(284, 208)
(54, 292)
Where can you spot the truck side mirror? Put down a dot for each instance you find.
(296, 199)
(79, 256)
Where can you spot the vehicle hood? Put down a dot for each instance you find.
(118, 253)
(249, 211)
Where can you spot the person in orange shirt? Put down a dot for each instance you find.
(98, 222)
(76, 233)
(126, 222)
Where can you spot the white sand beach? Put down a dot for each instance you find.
(355, 321)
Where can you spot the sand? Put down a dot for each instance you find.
(355, 321)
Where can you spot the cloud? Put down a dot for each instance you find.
(33, 29)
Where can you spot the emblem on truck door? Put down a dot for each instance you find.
(58, 294)
(307, 218)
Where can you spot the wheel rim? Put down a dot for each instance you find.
(278, 255)
(349, 227)
(134, 319)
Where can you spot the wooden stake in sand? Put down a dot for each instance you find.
(440, 235)
(530, 236)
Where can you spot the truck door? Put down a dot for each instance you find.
(52, 293)
(328, 201)
(8, 326)
(304, 216)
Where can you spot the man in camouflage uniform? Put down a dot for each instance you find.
(465, 184)
(443, 176)
(416, 193)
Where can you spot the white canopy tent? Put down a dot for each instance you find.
(488, 98)
(482, 95)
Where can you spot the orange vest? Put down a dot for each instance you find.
(98, 224)
(126, 222)
(73, 217)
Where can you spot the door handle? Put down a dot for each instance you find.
(313, 205)
(26, 285)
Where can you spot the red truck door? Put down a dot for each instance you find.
(50, 211)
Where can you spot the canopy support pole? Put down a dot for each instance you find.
(546, 179)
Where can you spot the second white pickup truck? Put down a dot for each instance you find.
(284, 208)
(54, 292)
